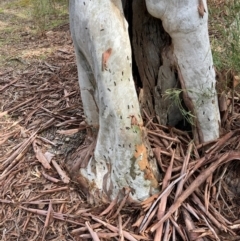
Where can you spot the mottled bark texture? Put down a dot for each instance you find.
(101, 36)
(186, 21)
(104, 58)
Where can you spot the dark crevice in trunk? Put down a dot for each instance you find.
(128, 13)
(148, 42)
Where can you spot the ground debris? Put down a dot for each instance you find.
(42, 122)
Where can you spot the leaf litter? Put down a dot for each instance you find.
(42, 125)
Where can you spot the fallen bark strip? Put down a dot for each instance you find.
(14, 159)
(168, 232)
(84, 229)
(50, 178)
(6, 201)
(100, 235)
(179, 189)
(47, 220)
(121, 238)
(58, 216)
(167, 190)
(110, 207)
(16, 107)
(49, 214)
(201, 145)
(7, 137)
(218, 215)
(190, 226)
(26, 222)
(46, 140)
(126, 234)
(55, 190)
(196, 183)
(63, 175)
(11, 161)
(39, 155)
(191, 210)
(183, 171)
(216, 222)
(148, 218)
(92, 233)
(53, 201)
(221, 142)
(211, 228)
(124, 200)
(198, 163)
(7, 85)
(163, 202)
(48, 124)
(126, 223)
(176, 226)
(164, 136)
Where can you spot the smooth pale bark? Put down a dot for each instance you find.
(100, 35)
(186, 21)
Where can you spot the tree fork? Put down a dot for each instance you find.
(187, 24)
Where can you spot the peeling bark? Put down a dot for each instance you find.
(153, 56)
(149, 41)
(166, 109)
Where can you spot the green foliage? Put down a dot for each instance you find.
(48, 13)
(23, 3)
(224, 25)
(175, 96)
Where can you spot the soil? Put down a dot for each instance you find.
(39, 106)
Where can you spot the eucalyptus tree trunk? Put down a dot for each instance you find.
(104, 59)
(186, 21)
(153, 56)
(122, 156)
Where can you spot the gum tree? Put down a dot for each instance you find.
(186, 22)
(101, 34)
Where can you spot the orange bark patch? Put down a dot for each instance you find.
(236, 81)
(142, 160)
(141, 151)
(134, 120)
(105, 57)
